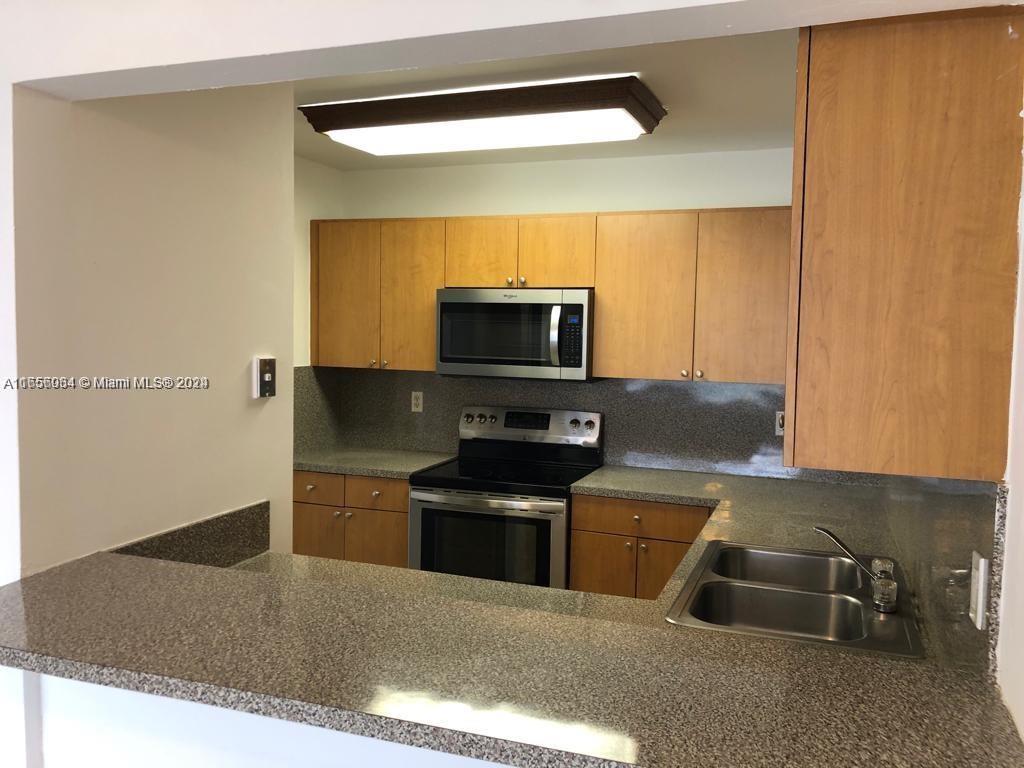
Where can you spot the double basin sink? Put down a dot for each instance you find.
(789, 593)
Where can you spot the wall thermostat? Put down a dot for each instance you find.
(264, 377)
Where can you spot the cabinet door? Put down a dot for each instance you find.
(481, 252)
(656, 561)
(646, 269)
(908, 267)
(742, 296)
(602, 563)
(377, 536)
(318, 531)
(557, 251)
(349, 293)
(411, 271)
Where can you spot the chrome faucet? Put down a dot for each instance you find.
(883, 585)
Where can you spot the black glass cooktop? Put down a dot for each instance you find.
(523, 478)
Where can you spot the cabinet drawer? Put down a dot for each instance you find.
(647, 519)
(318, 488)
(377, 493)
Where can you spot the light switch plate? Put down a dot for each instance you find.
(979, 589)
(780, 423)
(417, 402)
(264, 377)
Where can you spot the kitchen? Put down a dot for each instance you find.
(567, 420)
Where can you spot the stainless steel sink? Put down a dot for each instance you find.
(815, 571)
(789, 593)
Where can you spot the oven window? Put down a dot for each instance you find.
(486, 546)
(496, 334)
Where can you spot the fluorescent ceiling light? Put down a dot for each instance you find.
(549, 113)
(543, 130)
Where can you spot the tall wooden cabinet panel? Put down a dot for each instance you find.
(742, 280)
(481, 252)
(644, 284)
(557, 251)
(318, 530)
(907, 271)
(349, 293)
(411, 271)
(602, 563)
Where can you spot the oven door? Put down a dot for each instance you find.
(528, 333)
(496, 537)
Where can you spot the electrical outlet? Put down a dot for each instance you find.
(780, 422)
(417, 402)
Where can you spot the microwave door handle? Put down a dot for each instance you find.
(556, 316)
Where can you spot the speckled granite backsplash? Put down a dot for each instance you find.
(703, 427)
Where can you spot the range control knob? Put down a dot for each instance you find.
(574, 423)
(492, 418)
(468, 418)
(589, 424)
(481, 417)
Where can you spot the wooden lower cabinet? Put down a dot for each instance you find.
(318, 530)
(366, 522)
(604, 558)
(377, 536)
(603, 563)
(655, 563)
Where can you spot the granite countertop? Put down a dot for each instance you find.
(522, 675)
(369, 463)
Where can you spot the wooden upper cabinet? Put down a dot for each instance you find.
(481, 252)
(348, 255)
(742, 288)
(411, 271)
(908, 261)
(557, 251)
(644, 283)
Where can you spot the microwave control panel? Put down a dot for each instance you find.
(570, 351)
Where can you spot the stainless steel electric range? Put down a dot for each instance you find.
(501, 509)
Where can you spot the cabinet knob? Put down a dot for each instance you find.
(310, 487)
(373, 363)
(629, 545)
(643, 547)
(375, 494)
(509, 281)
(522, 280)
(684, 373)
(348, 514)
(384, 364)
(337, 513)
(636, 518)
(699, 373)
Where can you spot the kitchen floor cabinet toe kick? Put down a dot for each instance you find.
(349, 517)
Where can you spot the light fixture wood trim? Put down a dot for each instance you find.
(803, 66)
(627, 93)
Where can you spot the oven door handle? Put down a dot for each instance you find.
(556, 316)
(481, 504)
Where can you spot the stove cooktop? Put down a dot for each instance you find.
(518, 478)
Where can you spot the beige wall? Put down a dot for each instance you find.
(704, 180)
(153, 237)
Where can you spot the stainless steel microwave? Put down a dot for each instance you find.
(533, 333)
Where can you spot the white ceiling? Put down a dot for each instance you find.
(725, 93)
